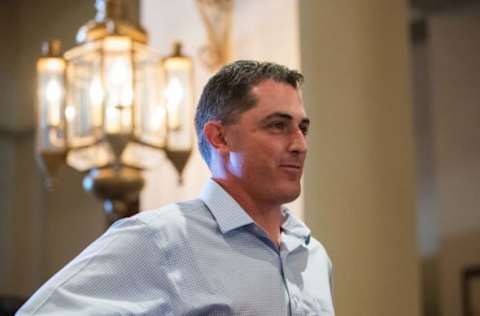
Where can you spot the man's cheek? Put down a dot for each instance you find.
(237, 163)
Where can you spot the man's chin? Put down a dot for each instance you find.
(291, 194)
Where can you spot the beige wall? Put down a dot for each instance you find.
(360, 198)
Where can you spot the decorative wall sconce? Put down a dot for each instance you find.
(110, 107)
(217, 19)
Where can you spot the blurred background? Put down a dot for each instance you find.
(392, 179)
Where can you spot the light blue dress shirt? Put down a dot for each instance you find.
(202, 257)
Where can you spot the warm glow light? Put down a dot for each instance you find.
(70, 113)
(96, 91)
(118, 92)
(52, 65)
(113, 120)
(127, 97)
(158, 118)
(54, 91)
(96, 99)
(174, 94)
(117, 43)
(118, 120)
(119, 72)
(119, 82)
(54, 94)
(126, 119)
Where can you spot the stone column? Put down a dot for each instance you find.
(359, 179)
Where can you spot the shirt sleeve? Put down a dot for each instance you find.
(331, 279)
(121, 273)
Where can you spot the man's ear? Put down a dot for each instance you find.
(214, 132)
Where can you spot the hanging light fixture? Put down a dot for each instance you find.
(110, 106)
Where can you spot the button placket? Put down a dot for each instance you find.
(292, 297)
(294, 302)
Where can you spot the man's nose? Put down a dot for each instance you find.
(298, 142)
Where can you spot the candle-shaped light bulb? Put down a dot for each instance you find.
(174, 94)
(96, 100)
(54, 95)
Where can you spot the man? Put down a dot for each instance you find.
(234, 251)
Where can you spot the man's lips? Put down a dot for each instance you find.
(294, 167)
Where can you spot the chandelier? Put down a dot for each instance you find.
(111, 107)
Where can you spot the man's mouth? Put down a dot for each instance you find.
(292, 167)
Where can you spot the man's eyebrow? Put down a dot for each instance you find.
(284, 115)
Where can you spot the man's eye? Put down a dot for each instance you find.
(304, 129)
(280, 126)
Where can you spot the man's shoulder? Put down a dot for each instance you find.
(149, 231)
(318, 251)
(316, 246)
(172, 213)
(173, 218)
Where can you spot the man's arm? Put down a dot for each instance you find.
(120, 273)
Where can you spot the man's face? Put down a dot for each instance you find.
(267, 145)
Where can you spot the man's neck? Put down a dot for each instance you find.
(266, 215)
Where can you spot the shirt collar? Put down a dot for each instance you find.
(293, 226)
(226, 211)
(230, 215)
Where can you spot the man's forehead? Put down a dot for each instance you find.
(271, 96)
(270, 85)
